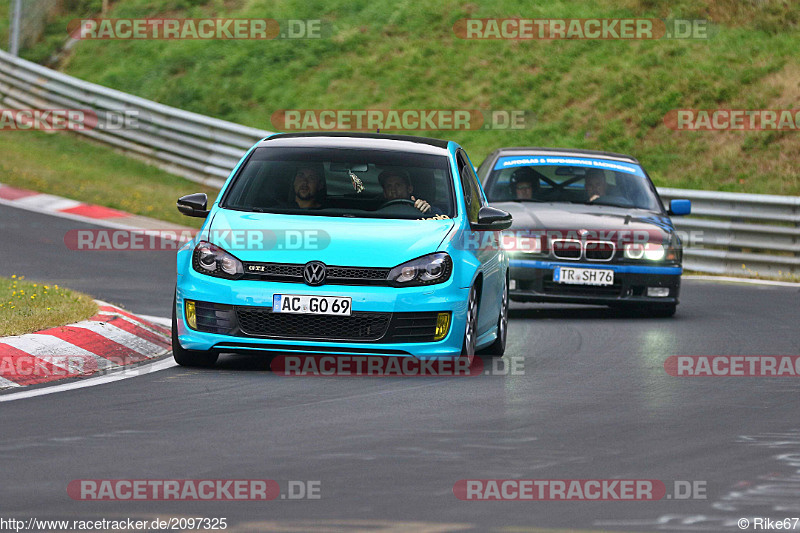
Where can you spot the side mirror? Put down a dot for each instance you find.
(680, 207)
(194, 205)
(492, 219)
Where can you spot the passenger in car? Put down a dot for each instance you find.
(595, 184)
(397, 186)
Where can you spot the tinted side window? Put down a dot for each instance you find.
(472, 195)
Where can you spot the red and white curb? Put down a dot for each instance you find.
(74, 210)
(110, 340)
(35, 201)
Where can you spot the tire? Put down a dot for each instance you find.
(471, 328)
(191, 358)
(498, 347)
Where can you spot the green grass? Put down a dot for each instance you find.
(4, 25)
(65, 165)
(609, 95)
(26, 306)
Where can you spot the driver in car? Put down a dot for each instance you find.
(595, 184)
(309, 188)
(397, 186)
(524, 183)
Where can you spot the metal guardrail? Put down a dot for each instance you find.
(190, 145)
(743, 234)
(728, 233)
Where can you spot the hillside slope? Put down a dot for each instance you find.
(610, 95)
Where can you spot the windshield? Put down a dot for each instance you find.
(344, 182)
(572, 180)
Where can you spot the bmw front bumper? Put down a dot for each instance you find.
(532, 281)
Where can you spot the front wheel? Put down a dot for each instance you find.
(471, 329)
(498, 347)
(194, 358)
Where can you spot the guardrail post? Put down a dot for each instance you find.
(796, 212)
(16, 27)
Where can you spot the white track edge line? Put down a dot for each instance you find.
(123, 373)
(160, 320)
(774, 283)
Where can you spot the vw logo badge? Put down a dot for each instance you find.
(314, 273)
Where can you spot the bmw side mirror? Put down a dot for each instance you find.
(194, 205)
(680, 207)
(492, 219)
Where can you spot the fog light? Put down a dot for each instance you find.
(442, 326)
(191, 316)
(658, 292)
(512, 285)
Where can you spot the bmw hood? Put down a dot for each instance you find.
(574, 217)
(280, 238)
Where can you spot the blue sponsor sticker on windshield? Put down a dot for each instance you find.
(541, 161)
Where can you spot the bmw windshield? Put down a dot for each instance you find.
(572, 180)
(343, 182)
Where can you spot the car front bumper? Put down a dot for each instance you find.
(532, 281)
(230, 297)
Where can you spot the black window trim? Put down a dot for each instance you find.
(224, 198)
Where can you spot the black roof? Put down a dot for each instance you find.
(595, 153)
(438, 143)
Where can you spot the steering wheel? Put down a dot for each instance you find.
(397, 201)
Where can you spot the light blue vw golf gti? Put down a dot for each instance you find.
(344, 244)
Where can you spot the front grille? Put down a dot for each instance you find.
(566, 249)
(573, 250)
(355, 273)
(276, 270)
(599, 250)
(336, 275)
(360, 326)
(214, 318)
(412, 327)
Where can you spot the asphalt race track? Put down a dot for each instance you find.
(595, 402)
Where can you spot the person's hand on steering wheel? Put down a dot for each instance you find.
(421, 204)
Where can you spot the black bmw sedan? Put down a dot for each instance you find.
(589, 227)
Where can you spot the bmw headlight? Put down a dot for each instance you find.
(649, 251)
(426, 270)
(214, 261)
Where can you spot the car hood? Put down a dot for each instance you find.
(281, 238)
(574, 217)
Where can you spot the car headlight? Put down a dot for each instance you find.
(649, 251)
(425, 270)
(214, 261)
